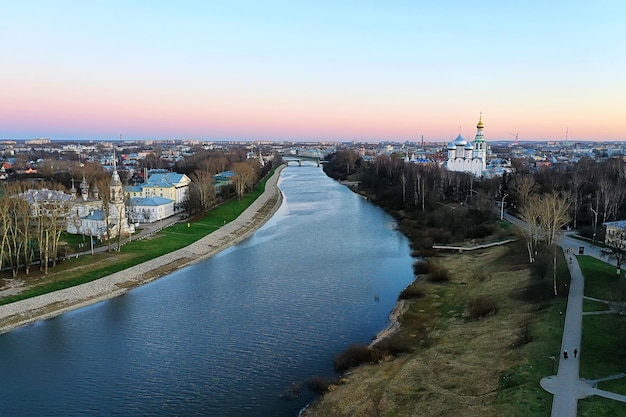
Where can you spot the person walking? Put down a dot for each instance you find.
(564, 354)
(575, 352)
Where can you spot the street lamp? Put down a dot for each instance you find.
(502, 206)
(595, 224)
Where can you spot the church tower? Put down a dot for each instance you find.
(84, 189)
(117, 189)
(480, 146)
(117, 204)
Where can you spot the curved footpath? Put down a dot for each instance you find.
(49, 305)
(567, 386)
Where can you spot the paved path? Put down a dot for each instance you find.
(566, 385)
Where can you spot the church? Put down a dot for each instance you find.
(88, 216)
(464, 156)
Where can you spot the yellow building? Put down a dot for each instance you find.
(168, 185)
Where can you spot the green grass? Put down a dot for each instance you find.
(601, 280)
(165, 241)
(525, 397)
(600, 407)
(603, 346)
(590, 305)
(615, 385)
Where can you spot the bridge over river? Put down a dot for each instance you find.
(292, 160)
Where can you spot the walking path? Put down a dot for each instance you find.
(21, 313)
(567, 386)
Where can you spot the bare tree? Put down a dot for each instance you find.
(5, 216)
(204, 184)
(104, 186)
(530, 213)
(523, 188)
(403, 181)
(576, 181)
(554, 215)
(595, 214)
(244, 175)
(18, 222)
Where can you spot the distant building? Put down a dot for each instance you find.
(615, 235)
(464, 156)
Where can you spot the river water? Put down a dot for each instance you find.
(227, 336)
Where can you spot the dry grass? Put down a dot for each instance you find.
(455, 368)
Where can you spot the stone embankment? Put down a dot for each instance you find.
(49, 305)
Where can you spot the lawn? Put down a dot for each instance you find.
(603, 347)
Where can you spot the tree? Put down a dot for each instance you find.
(554, 210)
(55, 212)
(244, 177)
(5, 216)
(523, 188)
(204, 188)
(17, 224)
(104, 186)
(529, 213)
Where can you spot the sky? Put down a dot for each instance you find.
(337, 70)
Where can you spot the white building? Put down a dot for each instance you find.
(87, 214)
(464, 156)
(150, 209)
(615, 235)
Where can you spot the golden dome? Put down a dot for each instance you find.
(480, 124)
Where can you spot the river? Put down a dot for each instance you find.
(227, 336)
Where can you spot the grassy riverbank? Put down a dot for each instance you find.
(462, 363)
(86, 268)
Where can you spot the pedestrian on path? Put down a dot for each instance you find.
(564, 354)
(575, 352)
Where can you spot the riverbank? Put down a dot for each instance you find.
(24, 312)
(458, 364)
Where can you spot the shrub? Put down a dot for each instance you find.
(396, 345)
(523, 335)
(421, 267)
(319, 384)
(482, 306)
(438, 274)
(508, 379)
(356, 355)
(411, 292)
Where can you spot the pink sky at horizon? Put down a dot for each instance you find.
(335, 72)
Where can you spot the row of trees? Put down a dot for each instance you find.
(30, 231)
(202, 192)
(453, 206)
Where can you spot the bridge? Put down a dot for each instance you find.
(287, 159)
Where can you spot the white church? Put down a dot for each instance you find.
(87, 215)
(464, 156)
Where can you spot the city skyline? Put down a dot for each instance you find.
(337, 71)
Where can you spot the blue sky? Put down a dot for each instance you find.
(342, 70)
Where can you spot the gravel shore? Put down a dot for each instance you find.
(45, 306)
